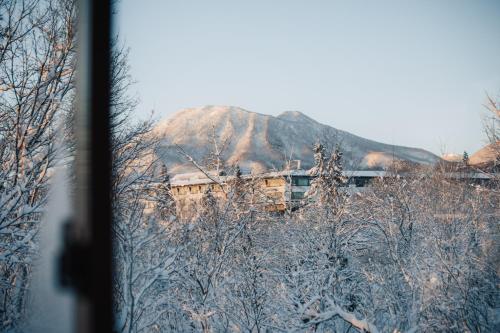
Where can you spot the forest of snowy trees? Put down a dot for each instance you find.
(418, 253)
(410, 254)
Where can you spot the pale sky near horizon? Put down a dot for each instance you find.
(412, 73)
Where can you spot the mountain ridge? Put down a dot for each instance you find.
(260, 142)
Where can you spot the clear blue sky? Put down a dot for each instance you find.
(411, 73)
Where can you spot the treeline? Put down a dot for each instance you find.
(412, 254)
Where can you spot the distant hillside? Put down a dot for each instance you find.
(485, 155)
(261, 142)
(452, 157)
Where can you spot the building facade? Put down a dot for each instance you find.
(276, 191)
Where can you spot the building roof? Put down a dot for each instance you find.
(199, 178)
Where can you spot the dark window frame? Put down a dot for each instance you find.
(86, 264)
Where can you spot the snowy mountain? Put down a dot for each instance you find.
(485, 155)
(452, 157)
(260, 142)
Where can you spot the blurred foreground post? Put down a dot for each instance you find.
(87, 263)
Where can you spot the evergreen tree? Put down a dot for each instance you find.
(465, 159)
(328, 173)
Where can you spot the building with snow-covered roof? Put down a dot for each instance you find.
(277, 191)
(280, 190)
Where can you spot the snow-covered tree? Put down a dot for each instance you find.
(318, 279)
(37, 42)
(210, 241)
(145, 253)
(145, 230)
(431, 261)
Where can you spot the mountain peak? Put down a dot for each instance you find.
(295, 116)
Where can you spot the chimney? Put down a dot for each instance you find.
(294, 165)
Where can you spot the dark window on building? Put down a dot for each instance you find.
(361, 181)
(298, 195)
(300, 181)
